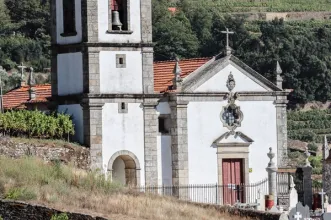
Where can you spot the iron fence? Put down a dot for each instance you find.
(211, 193)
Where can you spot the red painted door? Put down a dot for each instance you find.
(232, 170)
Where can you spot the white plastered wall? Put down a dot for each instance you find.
(134, 37)
(217, 83)
(59, 23)
(70, 73)
(123, 131)
(120, 80)
(77, 113)
(205, 126)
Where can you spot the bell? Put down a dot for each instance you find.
(116, 23)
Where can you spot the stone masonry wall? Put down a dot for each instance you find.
(18, 210)
(67, 153)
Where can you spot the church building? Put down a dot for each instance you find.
(195, 121)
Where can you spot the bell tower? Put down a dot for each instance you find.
(102, 72)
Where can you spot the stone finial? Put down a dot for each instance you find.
(31, 80)
(177, 80)
(279, 79)
(325, 148)
(292, 184)
(307, 154)
(271, 156)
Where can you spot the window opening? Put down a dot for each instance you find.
(69, 19)
(123, 106)
(119, 15)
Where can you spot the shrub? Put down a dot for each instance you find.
(62, 216)
(312, 147)
(1, 218)
(20, 194)
(36, 124)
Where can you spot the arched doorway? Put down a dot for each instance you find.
(124, 168)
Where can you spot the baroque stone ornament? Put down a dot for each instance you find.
(231, 115)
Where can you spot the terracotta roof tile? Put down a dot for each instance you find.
(16, 97)
(163, 75)
(163, 71)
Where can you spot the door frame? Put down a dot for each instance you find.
(233, 151)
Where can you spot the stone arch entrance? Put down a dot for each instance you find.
(124, 168)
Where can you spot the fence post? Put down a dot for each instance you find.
(307, 182)
(216, 187)
(272, 170)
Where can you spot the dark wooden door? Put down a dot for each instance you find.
(232, 170)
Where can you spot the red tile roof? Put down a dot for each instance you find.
(163, 71)
(16, 98)
(163, 75)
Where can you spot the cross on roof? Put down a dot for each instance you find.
(22, 67)
(227, 32)
(298, 216)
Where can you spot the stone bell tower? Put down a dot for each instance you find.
(102, 60)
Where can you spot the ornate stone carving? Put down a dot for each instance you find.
(231, 115)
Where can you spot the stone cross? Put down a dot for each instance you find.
(298, 216)
(227, 32)
(22, 67)
(322, 195)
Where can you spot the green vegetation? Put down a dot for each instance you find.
(20, 194)
(194, 30)
(62, 216)
(90, 192)
(36, 124)
(309, 126)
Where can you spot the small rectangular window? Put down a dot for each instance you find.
(69, 18)
(164, 125)
(123, 107)
(120, 61)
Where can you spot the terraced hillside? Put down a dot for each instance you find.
(271, 5)
(309, 126)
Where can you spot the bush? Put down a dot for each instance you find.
(312, 147)
(62, 216)
(1, 218)
(36, 124)
(20, 194)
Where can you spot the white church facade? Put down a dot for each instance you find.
(167, 123)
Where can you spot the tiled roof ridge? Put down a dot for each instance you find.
(186, 59)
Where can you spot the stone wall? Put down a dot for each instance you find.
(66, 153)
(19, 210)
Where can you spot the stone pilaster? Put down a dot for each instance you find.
(92, 116)
(146, 21)
(307, 186)
(54, 78)
(151, 131)
(148, 74)
(90, 20)
(91, 72)
(179, 146)
(281, 120)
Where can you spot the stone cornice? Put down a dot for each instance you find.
(59, 48)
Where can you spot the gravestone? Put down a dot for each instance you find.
(326, 216)
(299, 212)
(261, 201)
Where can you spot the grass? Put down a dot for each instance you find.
(67, 189)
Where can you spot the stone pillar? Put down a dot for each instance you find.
(272, 175)
(151, 132)
(179, 146)
(281, 120)
(92, 116)
(307, 182)
(148, 74)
